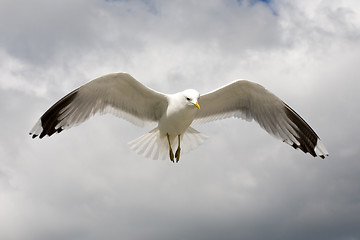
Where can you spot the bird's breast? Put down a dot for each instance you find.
(176, 121)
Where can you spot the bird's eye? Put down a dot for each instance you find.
(187, 98)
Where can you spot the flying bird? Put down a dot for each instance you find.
(123, 96)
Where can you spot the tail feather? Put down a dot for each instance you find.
(191, 139)
(153, 145)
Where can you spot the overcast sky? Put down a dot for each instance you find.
(86, 183)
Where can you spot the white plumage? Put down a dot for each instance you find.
(122, 95)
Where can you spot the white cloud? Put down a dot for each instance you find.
(85, 183)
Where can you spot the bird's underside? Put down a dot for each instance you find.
(123, 96)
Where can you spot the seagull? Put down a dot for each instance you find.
(123, 96)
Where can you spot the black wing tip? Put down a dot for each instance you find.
(294, 146)
(312, 152)
(305, 135)
(50, 119)
(323, 156)
(44, 133)
(33, 136)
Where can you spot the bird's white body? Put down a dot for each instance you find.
(173, 124)
(179, 115)
(122, 95)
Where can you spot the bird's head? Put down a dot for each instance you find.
(191, 97)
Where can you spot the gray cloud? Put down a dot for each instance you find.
(85, 183)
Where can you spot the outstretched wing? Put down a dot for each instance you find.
(250, 101)
(117, 93)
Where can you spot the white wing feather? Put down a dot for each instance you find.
(250, 101)
(117, 93)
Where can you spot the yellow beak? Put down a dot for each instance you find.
(197, 105)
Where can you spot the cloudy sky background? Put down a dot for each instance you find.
(85, 183)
